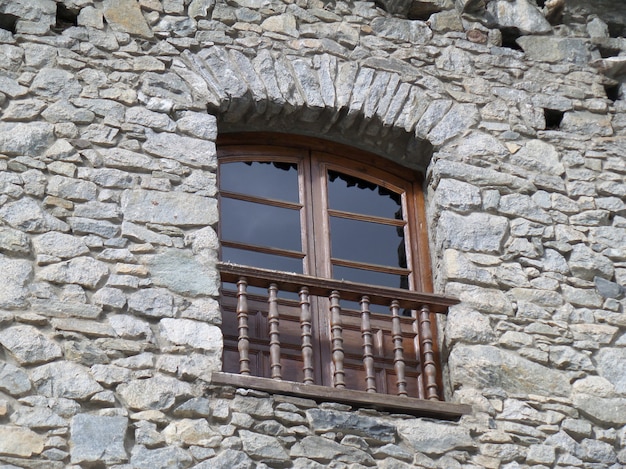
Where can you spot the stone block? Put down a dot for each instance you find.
(98, 439)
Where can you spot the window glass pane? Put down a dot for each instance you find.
(356, 195)
(252, 223)
(367, 242)
(269, 180)
(369, 277)
(262, 260)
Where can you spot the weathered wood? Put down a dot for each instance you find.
(426, 343)
(368, 351)
(274, 332)
(337, 341)
(398, 351)
(407, 405)
(243, 343)
(323, 287)
(307, 336)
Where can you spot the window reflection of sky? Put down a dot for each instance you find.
(352, 194)
(270, 180)
(259, 224)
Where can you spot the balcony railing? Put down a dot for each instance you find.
(371, 354)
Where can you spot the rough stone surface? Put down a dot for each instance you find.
(98, 439)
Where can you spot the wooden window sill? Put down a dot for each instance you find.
(385, 402)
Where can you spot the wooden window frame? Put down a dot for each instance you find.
(357, 163)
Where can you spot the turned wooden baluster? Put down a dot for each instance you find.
(368, 350)
(430, 366)
(243, 342)
(272, 318)
(307, 342)
(398, 352)
(337, 340)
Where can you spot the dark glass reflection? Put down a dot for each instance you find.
(370, 277)
(270, 180)
(362, 241)
(252, 223)
(356, 195)
(262, 260)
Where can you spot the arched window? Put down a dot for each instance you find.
(323, 248)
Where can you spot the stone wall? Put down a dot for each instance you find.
(109, 324)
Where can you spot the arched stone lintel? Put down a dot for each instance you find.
(374, 110)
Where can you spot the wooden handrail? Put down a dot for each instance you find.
(350, 291)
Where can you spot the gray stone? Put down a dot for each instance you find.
(486, 366)
(458, 195)
(84, 271)
(520, 14)
(13, 380)
(20, 442)
(30, 139)
(554, 49)
(110, 375)
(187, 150)
(266, 448)
(605, 411)
(100, 439)
(325, 450)
(65, 111)
(195, 334)
(587, 123)
(469, 326)
(156, 120)
(152, 302)
(38, 418)
(587, 264)
(611, 363)
(23, 110)
(101, 228)
(541, 454)
(351, 424)
(457, 266)
(598, 451)
(478, 232)
(165, 208)
(190, 432)
(564, 357)
(198, 125)
(128, 160)
(524, 206)
(458, 119)
(26, 214)
(72, 189)
(433, 437)
(184, 273)
(540, 157)
(64, 379)
(415, 32)
(171, 457)
(227, 458)
(16, 274)
(157, 393)
(194, 408)
(59, 245)
(29, 346)
(56, 83)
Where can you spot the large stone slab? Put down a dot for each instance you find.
(157, 393)
(433, 437)
(184, 273)
(168, 208)
(479, 232)
(29, 346)
(25, 139)
(486, 366)
(198, 335)
(98, 439)
(64, 379)
(20, 442)
(187, 150)
(350, 423)
(84, 271)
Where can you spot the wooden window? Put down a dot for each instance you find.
(325, 267)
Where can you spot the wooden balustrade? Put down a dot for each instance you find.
(377, 333)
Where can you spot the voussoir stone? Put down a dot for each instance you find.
(28, 345)
(98, 439)
(168, 208)
(157, 393)
(84, 271)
